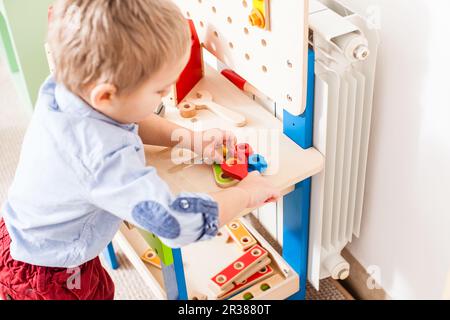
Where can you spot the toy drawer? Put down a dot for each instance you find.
(203, 260)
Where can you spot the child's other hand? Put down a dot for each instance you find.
(213, 142)
(259, 190)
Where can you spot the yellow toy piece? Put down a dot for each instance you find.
(240, 235)
(259, 17)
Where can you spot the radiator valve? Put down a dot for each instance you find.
(337, 267)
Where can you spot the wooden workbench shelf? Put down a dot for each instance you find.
(202, 261)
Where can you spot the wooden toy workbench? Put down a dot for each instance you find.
(295, 165)
(272, 56)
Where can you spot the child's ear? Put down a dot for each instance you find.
(102, 95)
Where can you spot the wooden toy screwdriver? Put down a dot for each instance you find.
(241, 83)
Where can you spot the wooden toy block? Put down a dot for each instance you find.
(246, 275)
(221, 179)
(193, 72)
(223, 281)
(188, 110)
(234, 169)
(257, 162)
(262, 274)
(241, 235)
(251, 271)
(258, 289)
(204, 100)
(152, 258)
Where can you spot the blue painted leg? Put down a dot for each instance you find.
(179, 270)
(174, 278)
(297, 204)
(110, 257)
(296, 233)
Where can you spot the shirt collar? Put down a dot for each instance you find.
(67, 102)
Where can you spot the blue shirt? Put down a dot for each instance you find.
(79, 176)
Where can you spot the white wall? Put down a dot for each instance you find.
(406, 226)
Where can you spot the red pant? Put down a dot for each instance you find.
(22, 281)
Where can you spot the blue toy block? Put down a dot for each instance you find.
(257, 162)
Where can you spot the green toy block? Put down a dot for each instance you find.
(221, 180)
(163, 251)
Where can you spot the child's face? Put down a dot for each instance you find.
(141, 103)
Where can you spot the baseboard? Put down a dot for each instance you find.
(357, 282)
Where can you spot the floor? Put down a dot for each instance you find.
(13, 122)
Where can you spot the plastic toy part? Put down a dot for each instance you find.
(257, 162)
(256, 19)
(259, 16)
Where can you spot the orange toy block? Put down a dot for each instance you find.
(152, 258)
(260, 275)
(241, 235)
(223, 281)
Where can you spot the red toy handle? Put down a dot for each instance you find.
(236, 79)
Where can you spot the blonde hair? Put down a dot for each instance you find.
(120, 42)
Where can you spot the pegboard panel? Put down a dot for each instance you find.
(272, 60)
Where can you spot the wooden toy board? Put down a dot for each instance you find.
(288, 163)
(199, 270)
(273, 60)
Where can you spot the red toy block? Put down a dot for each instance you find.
(193, 72)
(235, 169)
(223, 281)
(262, 274)
(243, 151)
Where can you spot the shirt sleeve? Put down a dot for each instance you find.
(122, 185)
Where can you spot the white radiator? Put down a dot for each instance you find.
(346, 46)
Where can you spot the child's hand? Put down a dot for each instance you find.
(213, 142)
(259, 190)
